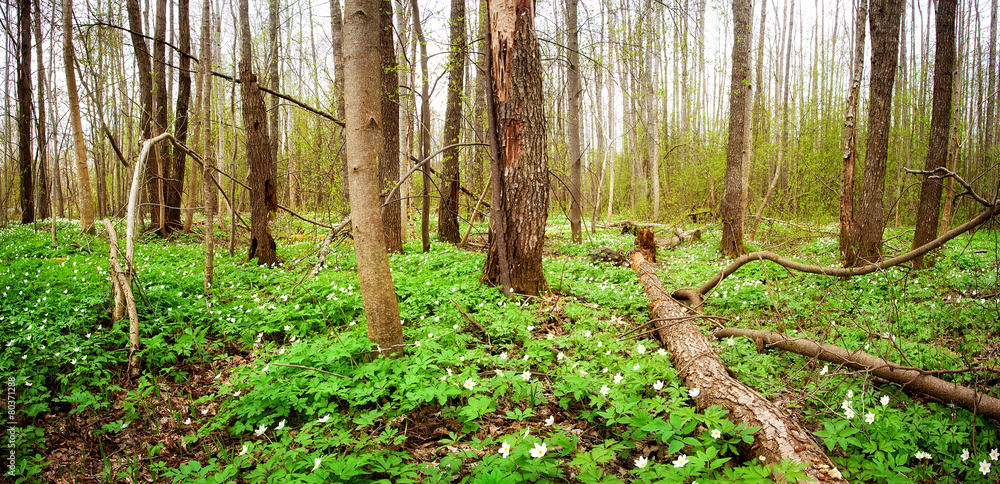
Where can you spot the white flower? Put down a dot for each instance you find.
(995, 454)
(694, 392)
(266, 367)
(661, 352)
(825, 369)
(965, 455)
(605, 370)
(549, 421)
(538, 450)
(504, 449)
(325, 419)
(681, 461)
(635, 367)
(849, 413)
(618, 378)
(600, 344)
(984, 467)
(641, 462)
(281, 351)
(658, 385)
(526, 357)
(586, 334)
(499, 372)
(503, 356)
(716, 433)
(560, 356)
(884, 400)
(469, 384)
(549, 336)
(461, 358)
(607, 353)
(245, 449)
(730, 341)
(238, 392)
(531, 328)
(281, 425)
(850, 393)
(869, 418)
(449, 371)
(187, 421)
(287, 327)
(316, 463)
(260, 430)
(416, 343)
(526, 376)
(640, 349)
(605, 390)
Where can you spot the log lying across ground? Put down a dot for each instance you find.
(859, 360)
(779, 437)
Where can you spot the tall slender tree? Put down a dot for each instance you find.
(175, 184)
(363, 78)
(740, 89)
(448, 210)
(573, 121)
(884, 22)
(208, 171)
(24, 158)
(145, 72)
(520, 162)
(161, 183)
(42, 202)
(425, 129)
(83, 193)
(337, 36)
(929, 206)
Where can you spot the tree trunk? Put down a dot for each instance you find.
(161, 184)
(739, 102)
(779, 437)
(208, 170)
(573, 123)
(362, 72)
(388, 160)
(42, 195)
(145, 72)
(425, 131)
(175, 184)
(263, 199)
(79, 146)
(337, 34)
(884, 23)
(521, 191)
(273, 82)
(937, 152)
(448, 210)
(848, 250)
(24, 159)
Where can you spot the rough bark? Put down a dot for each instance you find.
(83, 194)
(910, 378)
(42, 196)
(780, 437)
(273, 81)
(929, 206)
(145, 72)
(520, 183)
(364, 133)
(24, 160)
(848, 251)
(175, 183)
(263, 199)
(448, 209)
(884, 22)
(573, 122)
(161, 183)
(388, 160)
(740, 89)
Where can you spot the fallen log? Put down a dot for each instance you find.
(779, 437)
(909, 378)
(325, 247)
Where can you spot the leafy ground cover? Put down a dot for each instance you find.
(270, 377)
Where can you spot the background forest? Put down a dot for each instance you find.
(390, 241)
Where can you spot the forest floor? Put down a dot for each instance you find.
(268, 378)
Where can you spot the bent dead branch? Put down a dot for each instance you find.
(779, 437)
(984, 216)
(910, 378)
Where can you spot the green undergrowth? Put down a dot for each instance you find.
(561, 388)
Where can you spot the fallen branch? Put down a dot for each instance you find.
(983, 217)
(779, 437)
(909, 377)
(124, 298)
